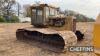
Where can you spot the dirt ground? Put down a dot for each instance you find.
(9, 46)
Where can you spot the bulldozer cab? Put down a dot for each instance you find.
(40, 14)
(44, 15)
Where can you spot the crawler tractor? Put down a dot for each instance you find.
(50, 28)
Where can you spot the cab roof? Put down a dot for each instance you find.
(42, 6)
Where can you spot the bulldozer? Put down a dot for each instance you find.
(50, 28)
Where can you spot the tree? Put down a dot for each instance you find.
(27, 12)
(6, 7)
(79, 17)
(7, 12)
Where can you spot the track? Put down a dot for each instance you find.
(54, 40)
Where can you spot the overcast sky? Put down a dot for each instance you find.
(90, 8)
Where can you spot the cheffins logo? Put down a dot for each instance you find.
(81, 48)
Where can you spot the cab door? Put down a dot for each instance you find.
(37, 17)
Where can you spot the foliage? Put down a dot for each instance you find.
(12, 19)
(82, 18)
(79, 17)
(2, 19)
(6, 6)
(91, 20)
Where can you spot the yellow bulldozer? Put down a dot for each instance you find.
(50, 28)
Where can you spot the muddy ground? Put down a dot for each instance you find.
(9, 46)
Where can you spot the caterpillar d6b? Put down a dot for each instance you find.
(50, 28)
